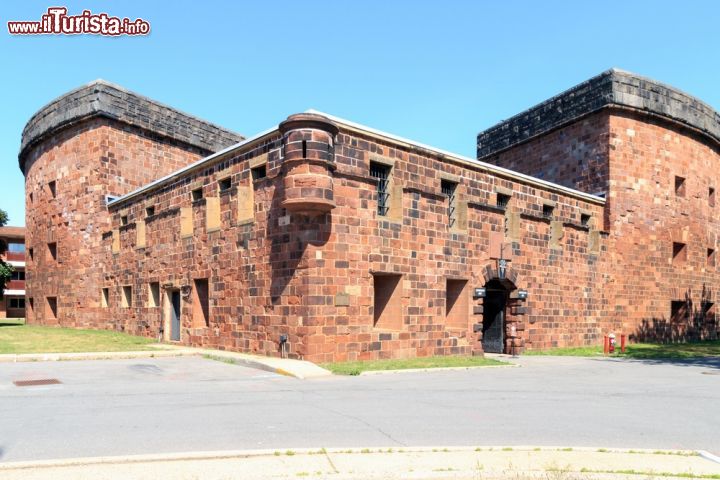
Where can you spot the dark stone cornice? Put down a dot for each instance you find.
(104, 99)
(613, 88)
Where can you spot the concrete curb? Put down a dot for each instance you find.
(281, 452)
(438, 369)
(708, 456)
(293, 368)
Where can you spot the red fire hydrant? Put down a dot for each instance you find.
(611, 348)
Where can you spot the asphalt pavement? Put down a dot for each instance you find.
(192, 404)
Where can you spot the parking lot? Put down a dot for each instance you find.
(119, 407)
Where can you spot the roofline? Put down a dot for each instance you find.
(500, 171)
(193, 166)
(363, 129)
(104, 99)
(613, 88)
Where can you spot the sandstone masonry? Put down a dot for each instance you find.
(327, 240)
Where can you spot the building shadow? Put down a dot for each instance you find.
(691, 320)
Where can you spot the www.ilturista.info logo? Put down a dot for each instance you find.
(57, 22)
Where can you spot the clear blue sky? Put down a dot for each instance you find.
(434, 71)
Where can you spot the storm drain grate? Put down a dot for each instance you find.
(33, 383)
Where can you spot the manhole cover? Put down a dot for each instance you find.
(33, 383)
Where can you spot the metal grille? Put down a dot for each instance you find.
(448, 189)
(381, 173)
(548, 211)
(503, 200)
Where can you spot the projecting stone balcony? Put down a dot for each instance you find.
(308, 163)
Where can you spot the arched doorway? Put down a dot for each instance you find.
(494, 311)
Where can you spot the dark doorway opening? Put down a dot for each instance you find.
(175, 316)
(494, 305)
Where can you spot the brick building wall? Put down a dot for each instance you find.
(657, 149)
(272, 272)
(663, 179)
(96, 141)
(12, 303)
(328, 240)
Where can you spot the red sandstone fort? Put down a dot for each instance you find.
(590, 213)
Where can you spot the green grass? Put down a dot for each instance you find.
(355, 368)
(19, 338)
(675, 351)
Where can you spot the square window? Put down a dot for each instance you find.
(150, 211)
(678, 311)
(123, 220)
(196, 194)
(547, 211)
(503, 200)
(126, 296)
(51, 187)
(387, 301)
(679, 186)
(679, 253)
(225, 184)
(585, 220)
(258, 172)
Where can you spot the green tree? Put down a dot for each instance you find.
(5, 268)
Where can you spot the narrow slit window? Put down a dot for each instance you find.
(449, 189)
(51, 307)
(381, 174)
(711, 196)
(710, 257)
(201, 303)
(52, 251)
(679, 186)
(154, 294)
(105, 297)
(127, 296)
(52, 188)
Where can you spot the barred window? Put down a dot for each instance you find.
(381, 173)
(503, 200)
(448, 189)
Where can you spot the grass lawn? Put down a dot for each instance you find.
(355, 368)
(19, 338)
(710, 348)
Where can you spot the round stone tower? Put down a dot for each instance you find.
(91, 144)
